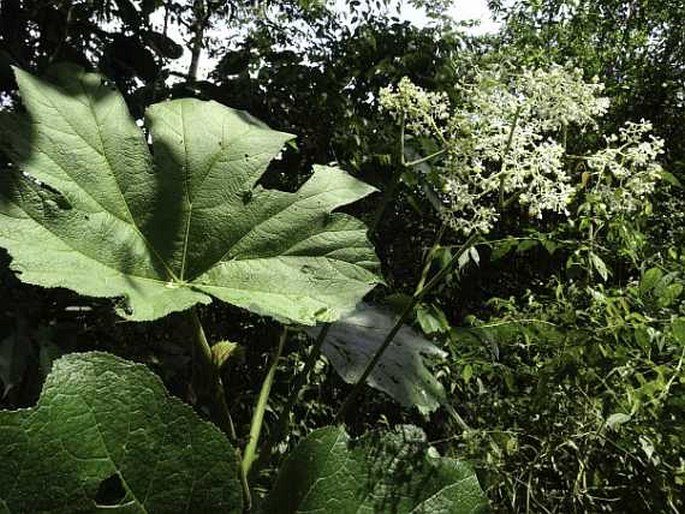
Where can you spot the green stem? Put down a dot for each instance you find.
(503, 166)
(218, 405)
(260, 409)
(202, 354)
(425, 159)
(388, 194)
(406, 313)
(298, 383)
(389, 191)
(402, 123)
(455, 416)
(429, 258)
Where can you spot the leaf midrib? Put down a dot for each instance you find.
(115, 464)
(340, 437)
(76, 250)
(188, 198)
(186, 178)
(131, 221)
(441, 491)
(254, 228)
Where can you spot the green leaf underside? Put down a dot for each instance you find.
(384, 471)
(402, 370)
(100, 417)
(169, 230)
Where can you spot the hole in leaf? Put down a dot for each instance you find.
(110, 491)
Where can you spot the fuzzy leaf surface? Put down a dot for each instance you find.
(169, 229)
(100, 417)
(383, 471)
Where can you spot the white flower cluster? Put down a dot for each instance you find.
(424, 112)
(503, 144)
(626, 171)
(558, 97)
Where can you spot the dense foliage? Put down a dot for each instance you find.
(522, 191)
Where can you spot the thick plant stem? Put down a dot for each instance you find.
(218, 406)
(258, 416)
(202, 354)
(406, 313)
(297, 385)
(201, 16)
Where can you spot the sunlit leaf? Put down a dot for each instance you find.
(169, 230)
(401, 372)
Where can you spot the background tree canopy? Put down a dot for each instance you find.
(557, 343)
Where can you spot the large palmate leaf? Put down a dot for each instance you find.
(167, 231)
(401, 372)
(384, 471)
(105, 435)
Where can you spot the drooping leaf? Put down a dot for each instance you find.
(384, 471)
(660, 288)
(128, 12)
(671, 294)
(431, 318)
(475, 256)
(502, 248)
(670, 178)
(600, 266)
(105, 433)
(168, 232)
(401, 372)
(526, 245)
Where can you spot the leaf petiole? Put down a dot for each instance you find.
(202, 355)
(298, 383)
(258, 416)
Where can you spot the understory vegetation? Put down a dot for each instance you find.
(287, 257)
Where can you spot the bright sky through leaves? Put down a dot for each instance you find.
(462, 10)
